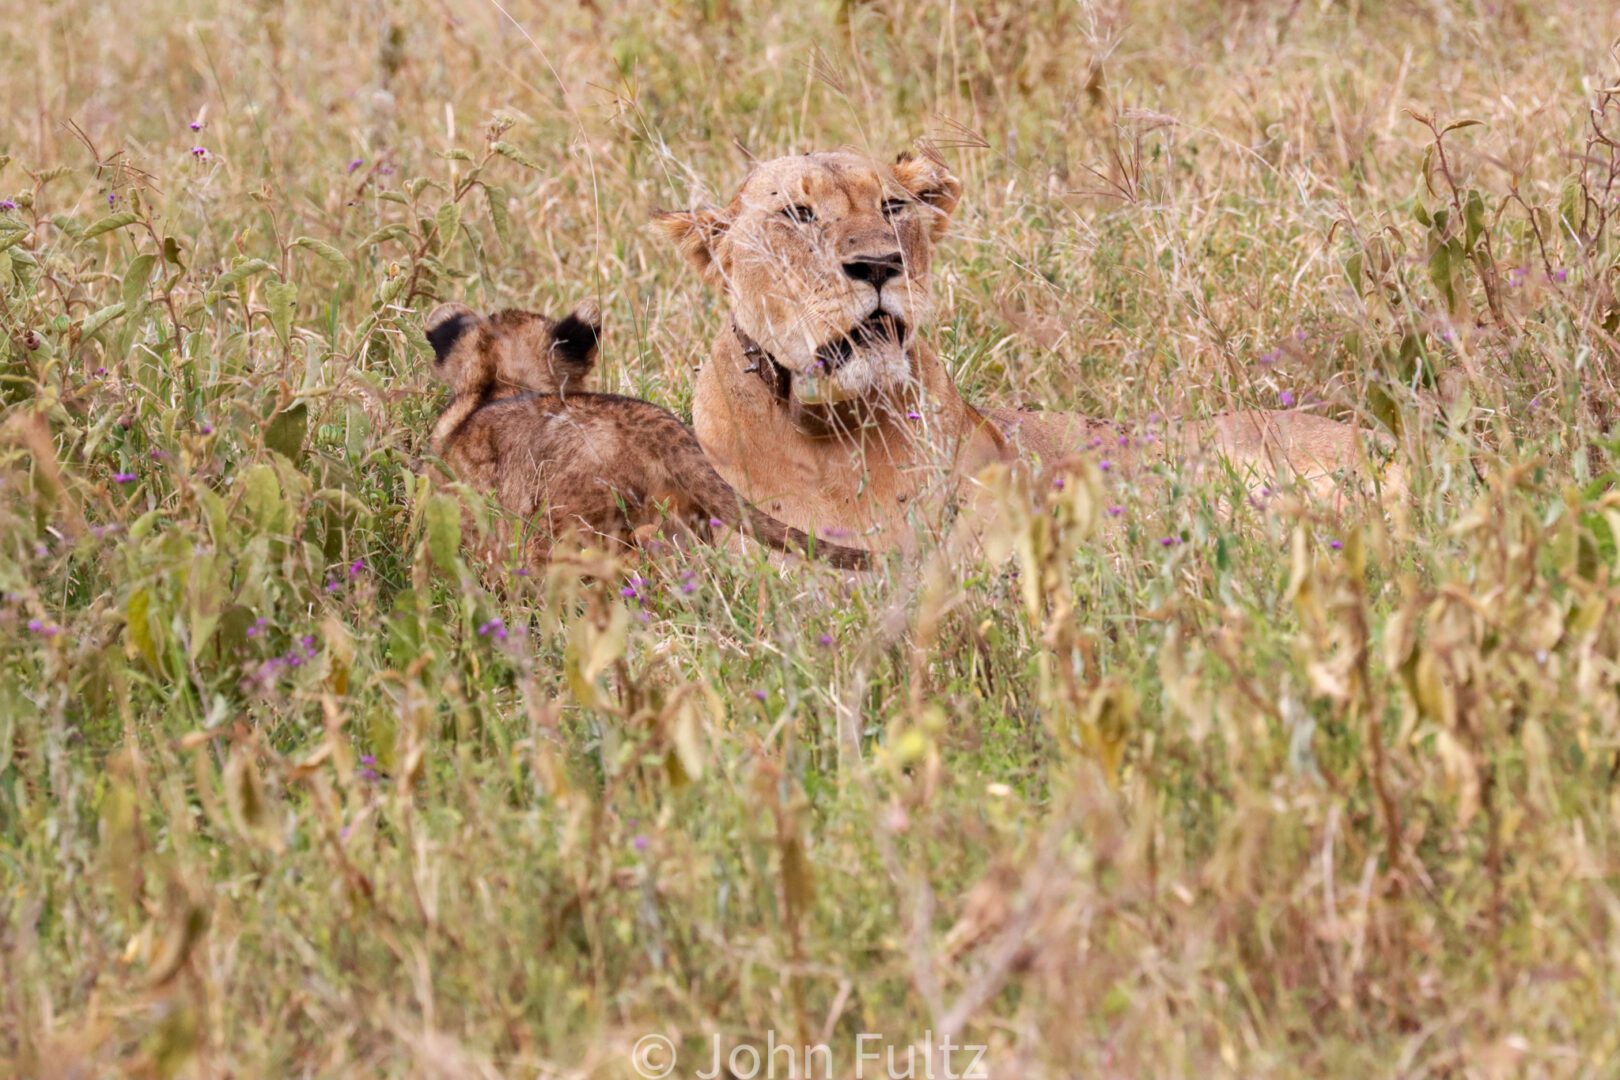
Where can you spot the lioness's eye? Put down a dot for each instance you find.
(802, 214)
(892, 207)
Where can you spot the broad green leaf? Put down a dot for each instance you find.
(239, 273)
(109, 223)
(321, 249)
(135, 279)
(281, 297)
(97, 319)
(447, 220)
(499, 214)
(443, 520)
(383, 235)
(507, 150)
(287, 430)
(262, 497)
(138, 623)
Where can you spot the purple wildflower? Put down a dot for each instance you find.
(333, 585)
(1535, 402)
(7, 204)
(523, 571)
(640, 843)
(826, 640)
(43, 629)
(100, 371)
(715, 523)
(495, 626)
(1115, 511)
(1094, 443)
(1270, 357)
(913, 414)
(1336, 545)
(1124, 440)
(759, 695)
(160, 455)
(257, 628)
(368, 759)
(355, 568)
(1169, 541)
(1105, 464)
(199, 152)
(195, 125)
(294, 660)
(1560, 275)
(1057, 482)
(1286, 398)
(207, 428)
(112, 198)
(355, 164)
(123, 478)
(1300, 335)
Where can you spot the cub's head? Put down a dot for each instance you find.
(512, 352)
(824, 260)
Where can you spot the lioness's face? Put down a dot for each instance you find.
(825, 261)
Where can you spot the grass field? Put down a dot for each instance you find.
(1221, 788)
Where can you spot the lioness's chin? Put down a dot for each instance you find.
(868, 374)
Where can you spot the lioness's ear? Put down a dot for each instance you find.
(575, 336)
(926, 177)
(695, 232)
(445, 326)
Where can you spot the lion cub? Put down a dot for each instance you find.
(522, 424)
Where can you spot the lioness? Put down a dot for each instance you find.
(823, 401)
(522, 425)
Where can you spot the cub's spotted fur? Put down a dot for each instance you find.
(523, 424)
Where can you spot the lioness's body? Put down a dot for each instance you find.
(521, 426)
(823, 402)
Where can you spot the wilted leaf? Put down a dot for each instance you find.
(138, 623)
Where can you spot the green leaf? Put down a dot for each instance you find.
(1460, 124)
(1352, 270)
(383, 235)
(324, 251)
(287, 430)
(1474, 219)
(135, 279)
(443, 518)
(1440, 271)
(281, 296)
(507, 150)
(97, 319)
(262, 496)
(447, 220)
(239, 273)
(499, 214)
(109, 223)
(138, 623)
(171, 251)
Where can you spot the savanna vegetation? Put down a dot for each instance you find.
(1184, 781)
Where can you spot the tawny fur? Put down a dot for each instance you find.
(523, 425)
(886, 434)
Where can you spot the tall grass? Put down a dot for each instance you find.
(1190, 783)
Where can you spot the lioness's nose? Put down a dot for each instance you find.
(875, 269)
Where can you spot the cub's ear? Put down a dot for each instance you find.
(925, 176)
(574, 337)
(445, 326)
(696, 233)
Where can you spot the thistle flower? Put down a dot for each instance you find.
(640, 843)
(43, 629)
(1286, 398)
(355, 568)
(1169, 541)
(355, 164)
(825, 640)
(7, 204)
(1560, 275)
(1105, 465)
(1115, 511)
(1270, 357)
(195, 125)
(257, 628)
(715, 523)
(1336, 545)
(759, 695)
(913, 414)
(123, 478)
(207, 428)
(199, 152)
